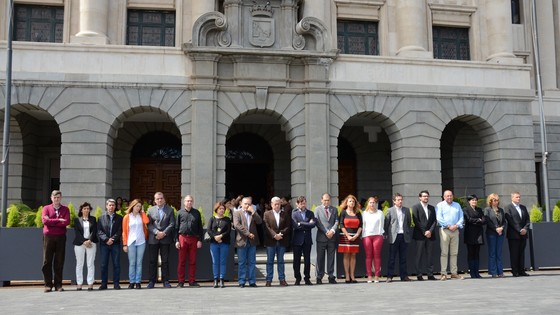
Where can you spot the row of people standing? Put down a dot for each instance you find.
(157, 229)
(511, 222)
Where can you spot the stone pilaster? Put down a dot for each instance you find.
(203, 131)
(500, 34)
(317, 130)
(199, 7)
(93, 22)
(412, 29)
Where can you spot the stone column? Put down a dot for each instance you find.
(500, 34)
(93, 22)
(412, 29)
(318, 9)
(203, 131)
(547, 44)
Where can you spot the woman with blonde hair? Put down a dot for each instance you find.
(134, 236)
(496, 225)
(350, 230)
(372, 237)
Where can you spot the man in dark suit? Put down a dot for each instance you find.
(424, 217)
(278, 226)
(245, 223)
(160, 238)
(397, 229)
(517, 227)
(303, 221)
(109, 232)
(327, 231)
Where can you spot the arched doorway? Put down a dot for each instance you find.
(462, 160)
(156, 166)
(249, 167)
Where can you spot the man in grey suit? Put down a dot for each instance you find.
(424, 217)
(160, 238)
(399, 234)
(327, 231)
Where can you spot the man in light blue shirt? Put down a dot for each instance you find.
(450, 219)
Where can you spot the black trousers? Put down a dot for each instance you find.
(54, 249)
(154, 250)
(304, 249)
(517, 255)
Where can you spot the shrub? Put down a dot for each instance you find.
(73, 214)
(98, 212)
(536, 214)
(39, 217)
(556, 214)
(385, 205)
(20, 215)
(13, 216)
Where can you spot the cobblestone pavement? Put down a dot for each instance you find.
(537, 294)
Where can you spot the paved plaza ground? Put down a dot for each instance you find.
(537, 294)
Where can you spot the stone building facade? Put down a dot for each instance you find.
(219, 98)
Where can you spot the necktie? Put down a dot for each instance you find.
(327, 211)
(160, 211)
(110, 226)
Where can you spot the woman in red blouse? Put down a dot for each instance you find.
(350, 231)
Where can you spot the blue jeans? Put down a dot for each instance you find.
(219, 252)
(247, 263)
(135, 256)
(495, 244)
(115, 252)
(271, 251)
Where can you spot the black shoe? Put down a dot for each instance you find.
(194, 284)
(297, 282)
(138, 286)
(59, 289)
(389, 279)
(241, 285)
(103, 287)
(431, 278)
(308, 282)
(420, 278)
(253, 285)
(180, 285)
(117, 287)
(222, 285)
(48, 289)
(150, 285)
(90, 289)
(524, 274)
(215, 283)
(332, 281)
(319, 281)
(131, 286)
(166, 284)
(78, 289)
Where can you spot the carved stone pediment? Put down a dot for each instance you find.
(261, 24)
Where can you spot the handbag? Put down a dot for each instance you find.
(207, 237)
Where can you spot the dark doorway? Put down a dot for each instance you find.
(156, 166)
(346, 169)
(249, 167)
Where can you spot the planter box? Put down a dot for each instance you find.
(544, 237)
(22, 258)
